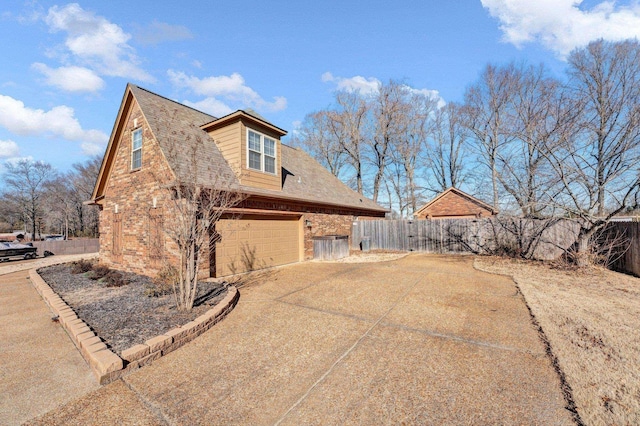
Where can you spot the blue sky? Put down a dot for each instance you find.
(65, 65)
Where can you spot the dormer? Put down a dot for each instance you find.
(251, 146)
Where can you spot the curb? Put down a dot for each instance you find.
(105, 364)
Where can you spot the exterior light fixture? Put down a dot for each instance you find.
(307, 223)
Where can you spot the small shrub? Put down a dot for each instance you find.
(163, 283)
(81, 266)
(99, 271)
(115, 279)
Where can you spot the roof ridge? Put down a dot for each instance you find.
(173, 101)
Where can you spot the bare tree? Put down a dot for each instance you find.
(82, 180)
(390, 110)
(25, 182)
(487, 116)
(60, 204)
(196, 196)
(318, 135)
(539, 116)
(446, 148)
(597, 163)
(407, 156)
(348, 124)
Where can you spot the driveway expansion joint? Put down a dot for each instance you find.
(148, 404)
(346, 353)
(459, 339)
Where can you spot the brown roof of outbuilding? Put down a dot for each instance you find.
(304, 179)
(460, 193)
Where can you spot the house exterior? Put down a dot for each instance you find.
(454, 204)
(289, 198)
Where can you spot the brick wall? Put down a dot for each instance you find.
(324, 224)
(454, 205)
(133, 191)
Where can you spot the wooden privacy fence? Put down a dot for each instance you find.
(330, 247)
(79, 246)
(629, 261)
(531, 238)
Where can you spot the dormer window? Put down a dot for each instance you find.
(136, 149)
(262, 152)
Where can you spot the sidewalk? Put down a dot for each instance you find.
(16, 266)
(40, 369)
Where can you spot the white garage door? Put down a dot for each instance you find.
(249, 244)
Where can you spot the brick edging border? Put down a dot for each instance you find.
(105, 364)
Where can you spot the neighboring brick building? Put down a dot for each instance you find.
(454, 204)
(290, 198)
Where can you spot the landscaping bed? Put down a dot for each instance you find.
(125, 315)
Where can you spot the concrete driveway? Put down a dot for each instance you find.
(420, 340)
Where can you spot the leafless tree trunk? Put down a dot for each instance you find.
(597, 164)
(487, 116)
(25, 182)
(540, 115)
(320, 137)
(349, 123)
(391, 110)
(195, 197)
(446, 148)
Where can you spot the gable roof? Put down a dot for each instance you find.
(304, 179)
(456, 191)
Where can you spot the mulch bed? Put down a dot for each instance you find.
(125, 316)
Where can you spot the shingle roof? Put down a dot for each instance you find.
(177, 130)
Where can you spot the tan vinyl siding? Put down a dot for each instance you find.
(227, 139)
(253, 177)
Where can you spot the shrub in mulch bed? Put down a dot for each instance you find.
(81, 266)
(99, 271)
(162, 284)
(124, 315)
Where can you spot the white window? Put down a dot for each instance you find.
(261, 152)
(136, 149)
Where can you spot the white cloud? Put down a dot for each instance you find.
(561, 25)
(96, 43)
(59, 121)
(365, 86)
(225, 90)
(91, 148)
(429, 93)
(15, 160)
(212, 106)
(371, 85)
(71, 79)
(8, 149)
(158, 32)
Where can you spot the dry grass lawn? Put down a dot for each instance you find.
(592, 322)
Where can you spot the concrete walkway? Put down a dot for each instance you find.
(40, 369)
(420, 340)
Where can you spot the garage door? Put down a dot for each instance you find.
(249, 244)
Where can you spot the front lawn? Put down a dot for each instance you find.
(591, 319)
